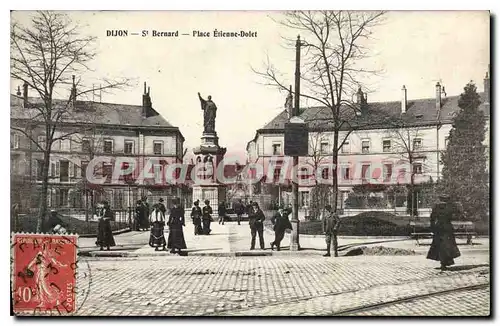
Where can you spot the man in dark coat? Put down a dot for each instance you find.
(331, 223)
(281, 223)
(444, 247)
(222, 212)
(207, 217)
(104, 231)
(175, 223)
(139, 213)
(256, 221)
(239, 209)
(145, 215)
(196, 216)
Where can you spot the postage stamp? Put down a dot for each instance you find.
(44, 273)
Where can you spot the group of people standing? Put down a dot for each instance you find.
(175, 223)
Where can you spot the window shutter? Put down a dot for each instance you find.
(58, 166)
(34, 168)
(71, 171)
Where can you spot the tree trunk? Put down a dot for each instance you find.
(335, 157)
(42, 214)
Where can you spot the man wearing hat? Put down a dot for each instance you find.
(331, 223)
(444, 247)
(256, 221)
(281, 223)
(161, 206)
(196, 216)
(207, 217)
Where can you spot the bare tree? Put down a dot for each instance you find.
(331, 69)
(319, 154)
(45, 56)
(406, 142)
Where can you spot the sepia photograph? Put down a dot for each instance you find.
(250, 163)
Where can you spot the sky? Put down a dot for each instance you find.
(415, 49)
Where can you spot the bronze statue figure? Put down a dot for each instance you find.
(209, 113)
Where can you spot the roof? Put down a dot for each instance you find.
(377, 115)
(94, 112)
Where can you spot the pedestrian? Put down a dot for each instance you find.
(139, 212)
(239, 209)
(281, 224)
(444, 247)
(157, 221)
(175, 223)
(104, 232)
(207, 217)
(196, 216)
(222, 212)
(331, 222)
(145, 215)
(256, 221)
(161, 206)
(249, 207)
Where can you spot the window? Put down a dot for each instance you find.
(325, 173)
(14, 140)
(365, 146)
(276, 174)
(303, 174)
(304, 198)
(64, 171)
(74, 170)
(417, 143)
(417, 168)
(157, 169)
(446, 139)
(63, 197)
(365, 172)
(386, 144)
(158, 148)
(39, 170)
(128, 148)
(84, 165)
(277, 149)
(346, 173)
(345, 147)
(324, 148)
(86, 145)
(387, 172)
(108, 146)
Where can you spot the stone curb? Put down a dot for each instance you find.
(117, 232)
(111, 254)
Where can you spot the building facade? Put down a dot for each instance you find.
(91, 131)
(393, 143)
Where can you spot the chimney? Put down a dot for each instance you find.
(25, 95)
(146, 102)
(438, 96)
(73, 93)
(18, 91)
(403, 99)
(487, 88)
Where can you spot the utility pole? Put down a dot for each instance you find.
(294, 243)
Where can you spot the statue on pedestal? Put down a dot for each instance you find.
(209, 113)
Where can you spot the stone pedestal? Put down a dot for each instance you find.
(209, 152)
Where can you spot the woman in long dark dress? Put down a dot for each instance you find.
(104, 232)
(444, 247)
(157, 220)
(175, 223)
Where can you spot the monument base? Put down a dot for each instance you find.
(214, 193)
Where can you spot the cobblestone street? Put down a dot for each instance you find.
(282, 285)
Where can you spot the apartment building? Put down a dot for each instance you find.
(388, 141)
(91, 130)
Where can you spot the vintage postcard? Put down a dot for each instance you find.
(250, 163)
